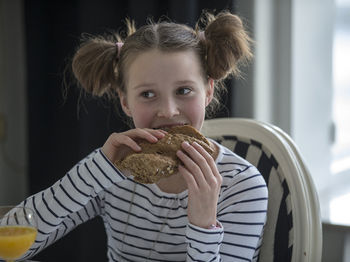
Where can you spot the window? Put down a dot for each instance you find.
(340, 166)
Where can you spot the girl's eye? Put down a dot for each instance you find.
(183, 91)
(147, 94)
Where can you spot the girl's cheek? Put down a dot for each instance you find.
(143, 117)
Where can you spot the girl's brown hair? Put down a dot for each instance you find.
(220, 41)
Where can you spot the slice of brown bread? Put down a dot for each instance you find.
(159, 160)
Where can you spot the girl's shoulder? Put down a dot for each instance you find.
(227, 157)
(234, 168)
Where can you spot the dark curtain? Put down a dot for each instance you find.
(59, 132)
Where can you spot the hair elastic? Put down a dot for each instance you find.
(119, 45)
(201, 35)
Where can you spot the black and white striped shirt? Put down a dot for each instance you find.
(145, 224)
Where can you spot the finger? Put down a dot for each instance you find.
(193, 168)
(203, 152)
(210, 160)
(189, 179)
(122, 139)
(162, 131)
(146, 134)
(196, 153)
(159, 133)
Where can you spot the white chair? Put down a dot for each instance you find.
(293, 230)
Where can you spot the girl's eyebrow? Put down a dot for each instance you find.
(147, 85)
(185, 82)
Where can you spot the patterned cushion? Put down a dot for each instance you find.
(277, 243)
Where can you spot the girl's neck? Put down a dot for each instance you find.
(174, 184)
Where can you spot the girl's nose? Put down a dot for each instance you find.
(168, 109)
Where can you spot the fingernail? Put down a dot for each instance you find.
(185, 143)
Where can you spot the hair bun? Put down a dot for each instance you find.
(92, 65)
(228, 45)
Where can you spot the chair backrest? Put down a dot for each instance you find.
(293, 230)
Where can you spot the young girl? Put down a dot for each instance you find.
(164, 74)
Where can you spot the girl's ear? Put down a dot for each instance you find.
(124, 103)
(210, 91)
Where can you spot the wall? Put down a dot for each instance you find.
(293, 89)
(243, 98)
(13, 153)
(293, 75)
(311, 116)
(336, 243)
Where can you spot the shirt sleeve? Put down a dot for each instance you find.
(242, 208)
(203, 244)
(72, 200)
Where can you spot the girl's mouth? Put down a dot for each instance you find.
(170, 125)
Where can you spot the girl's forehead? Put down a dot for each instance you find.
(163, 59)
(156, 65)
(154, 54)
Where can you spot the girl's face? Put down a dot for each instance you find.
(166, 89)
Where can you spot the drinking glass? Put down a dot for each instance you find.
(18, 230)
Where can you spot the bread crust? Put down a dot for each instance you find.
(159, 160)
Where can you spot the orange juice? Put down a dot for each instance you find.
(15, 241)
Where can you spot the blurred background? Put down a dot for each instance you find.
(299, 80)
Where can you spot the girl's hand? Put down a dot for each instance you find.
(119, 144)
(203, 182)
